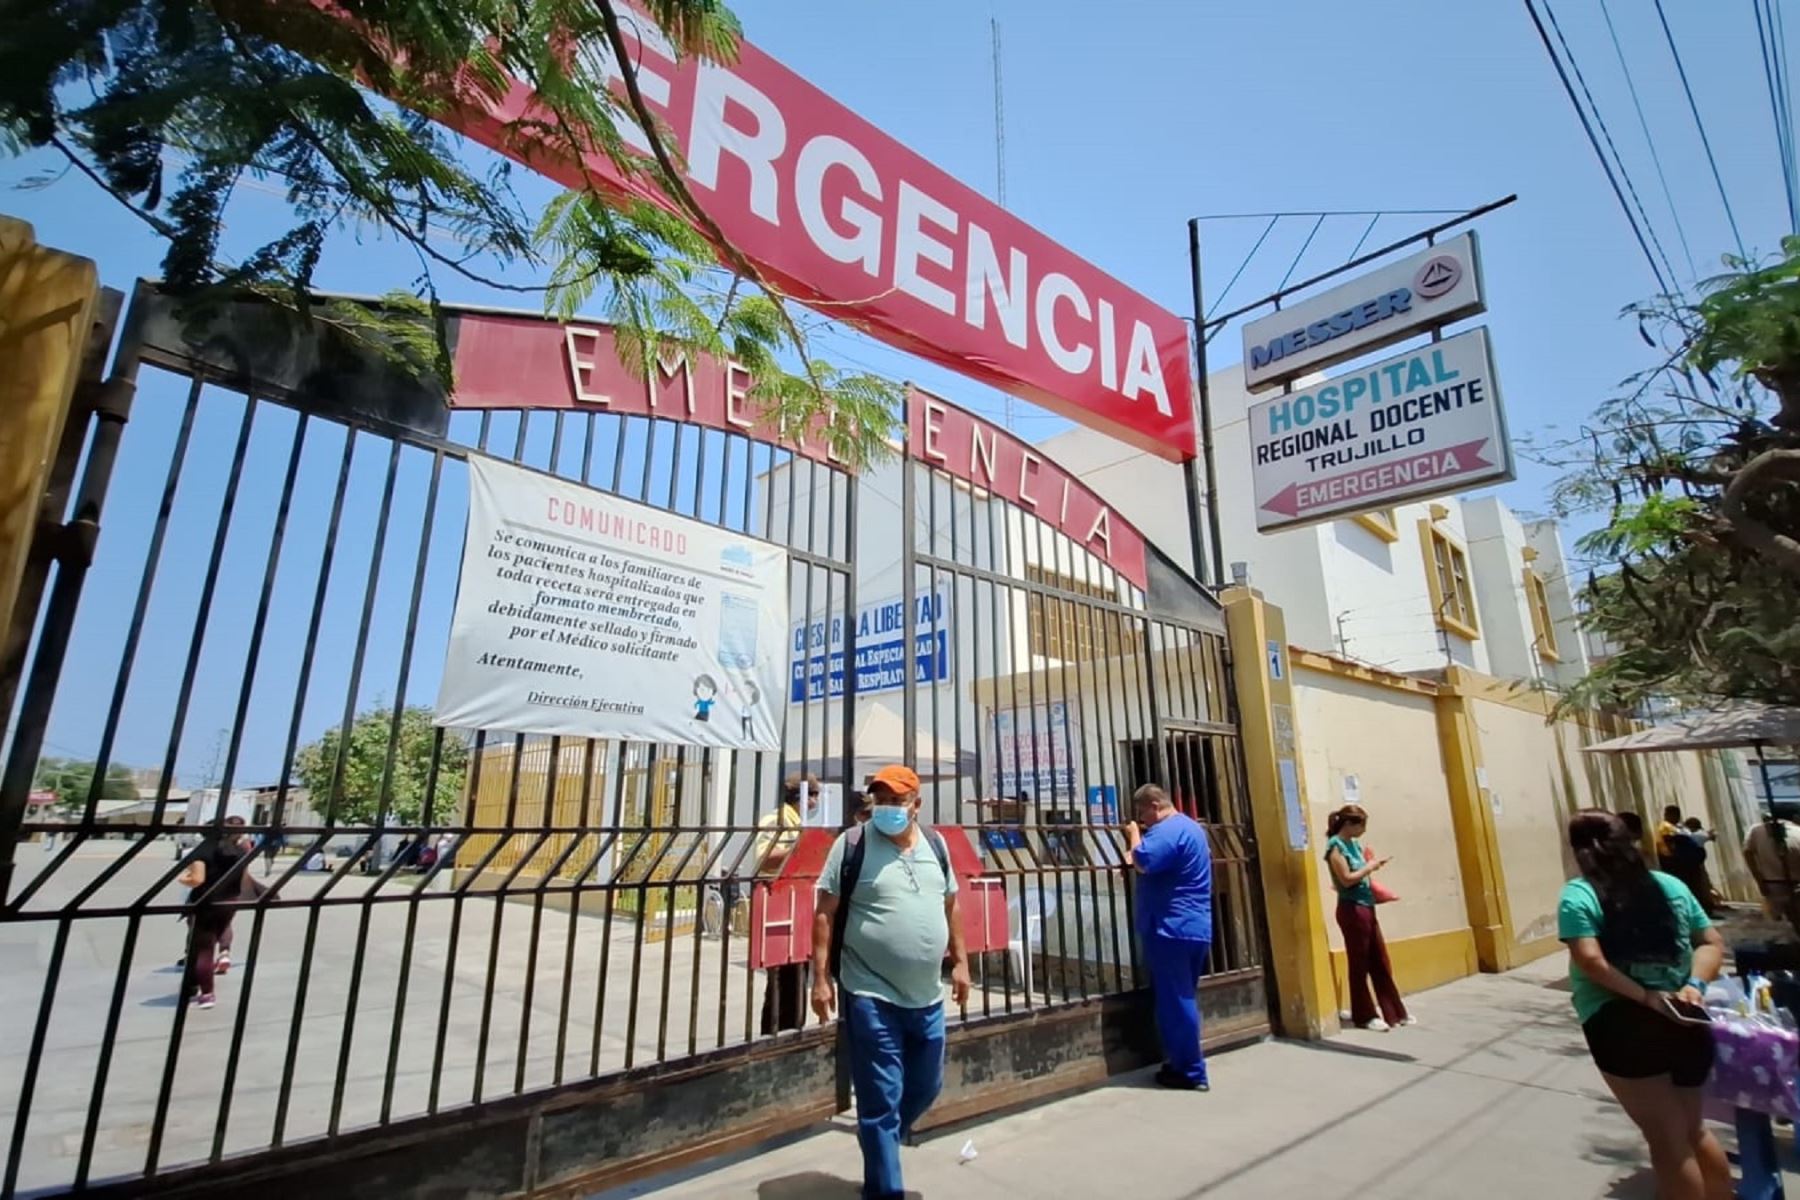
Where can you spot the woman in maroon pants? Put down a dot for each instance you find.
(1350, 872)
(211, 877)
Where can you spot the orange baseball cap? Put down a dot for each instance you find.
(897, 779)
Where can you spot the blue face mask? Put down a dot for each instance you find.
(891, 819)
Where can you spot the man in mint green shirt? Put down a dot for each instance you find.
(900, 924)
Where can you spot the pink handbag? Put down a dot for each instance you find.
(1382, 893)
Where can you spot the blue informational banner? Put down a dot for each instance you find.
(1103, 805)
(816, 650)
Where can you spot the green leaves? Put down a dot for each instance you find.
(353, 792)
(72, 779)
(182, 100)
(1695, 585)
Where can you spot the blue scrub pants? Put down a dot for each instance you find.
(1176, 965)
(897, 1065)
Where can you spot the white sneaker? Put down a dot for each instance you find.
(1408, 1021)
(1376, 1026)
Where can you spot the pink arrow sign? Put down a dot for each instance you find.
(1375, 482)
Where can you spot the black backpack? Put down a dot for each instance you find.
(854, 849)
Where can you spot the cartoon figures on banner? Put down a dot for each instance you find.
(748, 698)
(706, 694)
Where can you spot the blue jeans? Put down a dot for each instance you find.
(897, 1065)
(1176, 965)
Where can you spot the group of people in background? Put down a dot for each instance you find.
(1681, 852)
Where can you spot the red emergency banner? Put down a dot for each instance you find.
(841, 216)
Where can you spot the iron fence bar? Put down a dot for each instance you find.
(653, 427)
(992, 578)
(328, 558)
(574, 924)
(40, 1030)
(493, 958)
(183, 695)
(611, 903)
(252, 658)
(668, 939)
(1116, 881)
(544, 876)
(706, 765)
(34, 712)
(587, 451)
(1037, 645)
(648, 791)
(1114, 627)
(385, 790)
(403, 982)
(458, 896)
(622, 428)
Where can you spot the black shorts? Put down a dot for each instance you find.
(1631, 1042)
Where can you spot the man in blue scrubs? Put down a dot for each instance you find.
(1174, 920)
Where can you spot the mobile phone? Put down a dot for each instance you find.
(1687, 1014)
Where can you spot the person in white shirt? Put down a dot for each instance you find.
(1772, 852)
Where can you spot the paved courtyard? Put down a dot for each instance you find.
(1492, 1096)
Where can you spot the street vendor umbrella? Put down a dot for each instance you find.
(879, 739)
(1752, 726)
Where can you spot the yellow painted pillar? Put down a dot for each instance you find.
(1299, 947)
(1472, 817)
(46, 312)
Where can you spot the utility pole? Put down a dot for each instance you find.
(1000, 157)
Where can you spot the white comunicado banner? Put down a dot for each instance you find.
(585, 615)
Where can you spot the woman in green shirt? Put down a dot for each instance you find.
(1638, 939)
(1365, 951)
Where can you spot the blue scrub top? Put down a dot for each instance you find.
(1174, 888)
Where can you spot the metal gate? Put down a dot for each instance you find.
(489, 954)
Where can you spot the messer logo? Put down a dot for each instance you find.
(1437, 277)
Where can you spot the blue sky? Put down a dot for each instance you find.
(1122, 121)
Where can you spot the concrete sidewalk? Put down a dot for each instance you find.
(1492, 1095)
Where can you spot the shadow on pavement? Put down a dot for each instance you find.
(809, 1185)
(1338, 1047)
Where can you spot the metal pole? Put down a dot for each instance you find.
(1217, 571)
(909, 699)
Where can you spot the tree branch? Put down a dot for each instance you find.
(1781, 550)
(677, 188)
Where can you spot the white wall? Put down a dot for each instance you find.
(1497, 546)
(1553, 564)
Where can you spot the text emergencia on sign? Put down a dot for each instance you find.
(1437, 285)
(832, 210)
(1420, 424)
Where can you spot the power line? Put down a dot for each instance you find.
(1778, 43)
(1367, 230)
(1336, 212)
(1594, 141)
(1232, 282)
(1705, 142)
(1302, 254)
(1774, 76)
(1600, 121)
(1644, 124)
